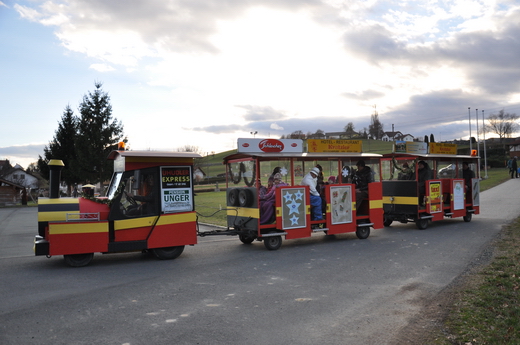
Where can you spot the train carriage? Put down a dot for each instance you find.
(249, 171)
(428, 187)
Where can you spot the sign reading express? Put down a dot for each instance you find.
(176, 189)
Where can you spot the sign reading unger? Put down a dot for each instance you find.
(176, 189)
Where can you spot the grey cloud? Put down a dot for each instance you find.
(373, 42)
(219, 129)
(364, 95)
(438, 112)
(489, 58)
(22, 154)
(257, 113)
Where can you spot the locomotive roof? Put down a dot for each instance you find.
(153, 154)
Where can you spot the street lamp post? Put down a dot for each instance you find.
(485, 155)
(478, 142)
(254, 133)
(470, 145)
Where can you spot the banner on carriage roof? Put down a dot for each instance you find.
(269, 145)
(416, 147)
(334, 145)
(449, 149)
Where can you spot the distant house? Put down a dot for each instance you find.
(390, 136)
(405, 137)
(22, 178)
(397, 136)
(514, 148)
(10, 193)
(199, 174)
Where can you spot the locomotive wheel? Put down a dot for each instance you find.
(467, 217)
(362, 232)
(246, 239)
(233, 197)
(168, 253)
(421, 223)
(78, 260)
(273, 243)
(245, 198)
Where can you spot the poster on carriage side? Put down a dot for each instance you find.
(341, 204)
(475, 191)
(435, 200)
(176, 189)
(293, 208)
(458, 194)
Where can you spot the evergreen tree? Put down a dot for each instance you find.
(62, 147)
(98, 134)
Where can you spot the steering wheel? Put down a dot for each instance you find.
(129, 199)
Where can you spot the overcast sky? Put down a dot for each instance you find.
(206, 72)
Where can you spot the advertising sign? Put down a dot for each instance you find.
(444, 148)
(434, 188)
(269, 145)
(333, 145)
(341, 204)
(176, 189)
(416, 147)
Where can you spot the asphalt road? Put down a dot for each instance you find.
(321, 290)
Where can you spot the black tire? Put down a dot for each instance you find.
(78, 260)
(245, 198)
(362, 232)
(467, 217)
(387, 221)
(233, 197)
(246, 239)
(273, 242)
(168, 253)
(421, 223)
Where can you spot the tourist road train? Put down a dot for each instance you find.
(149, 204)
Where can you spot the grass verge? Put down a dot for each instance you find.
(487, 309)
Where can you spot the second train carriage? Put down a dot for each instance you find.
(250, 168)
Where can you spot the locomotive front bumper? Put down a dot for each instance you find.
(41, 246)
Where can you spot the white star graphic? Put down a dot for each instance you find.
(293, 207)
(287, 196)
(294, 220)
(298, 195)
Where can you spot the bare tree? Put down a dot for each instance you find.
(375, 129)
(503, 124)
(189, 148)
(349, 130)
(297, 135)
